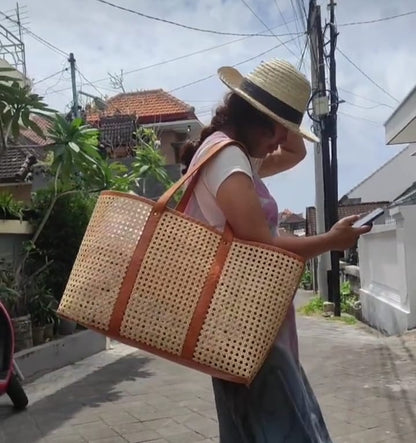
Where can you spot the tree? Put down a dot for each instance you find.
(17, 105)
(149, 161)
(76, 163)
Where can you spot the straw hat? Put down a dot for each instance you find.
(276, 88)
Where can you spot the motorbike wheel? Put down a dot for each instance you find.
(16, 393)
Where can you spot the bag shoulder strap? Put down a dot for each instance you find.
(164, 199)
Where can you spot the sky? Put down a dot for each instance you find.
(107, 40)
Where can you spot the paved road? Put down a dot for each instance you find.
(366, 385)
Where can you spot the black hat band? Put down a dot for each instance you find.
(281, 109)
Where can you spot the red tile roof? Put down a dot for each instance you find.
(29, 137)
(289, 217)
(148, 106)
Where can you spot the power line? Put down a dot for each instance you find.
(267, 27)
(360, 118)
(177, 58)
(88, 82)
(56, 83)
(302, 12)
(237, 64)
(366, 75)
(50, 76)
(37, 37)
(296, 23)
(379, 19)
(303, 55)
(365, 98)
(163, 62)
(181, 25)
(366, 107)
(281, 15)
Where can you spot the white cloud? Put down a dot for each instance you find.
(104, 39)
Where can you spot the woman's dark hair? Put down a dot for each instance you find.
(235, 113)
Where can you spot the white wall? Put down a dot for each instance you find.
(14, 73)
(390, 180)
(388, 273)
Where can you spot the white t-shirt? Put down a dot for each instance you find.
(202, 204)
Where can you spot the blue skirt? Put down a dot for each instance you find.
(278, 407)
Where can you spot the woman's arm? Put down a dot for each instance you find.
(288, 155)
(239, 202)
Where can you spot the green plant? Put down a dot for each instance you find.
(149, 161)
(306, 280)
(76, 162)
(17, 104)
(345, 318)
(314, 306)
(347, 296)
(10, 295)
(346, 289)
(41, 304)
(61, 236)
(10, 208)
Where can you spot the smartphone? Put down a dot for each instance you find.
(368, 219)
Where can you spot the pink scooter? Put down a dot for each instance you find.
(10, 374)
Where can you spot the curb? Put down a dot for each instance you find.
(56, 354)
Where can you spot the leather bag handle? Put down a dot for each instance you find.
(165, 198)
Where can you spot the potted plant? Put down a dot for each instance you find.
(51, 319)
(14, 301)
(306, 281)
(40, 305)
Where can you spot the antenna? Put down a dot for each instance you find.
(12, 48)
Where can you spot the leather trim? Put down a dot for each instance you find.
(164, 199)
(205, 299)
(181, 206)
(133, 269)
(209, 228)
(168, 356)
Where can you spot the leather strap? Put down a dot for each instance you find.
(164, 199)
(146, 237)
(183, 203)
(205, 298)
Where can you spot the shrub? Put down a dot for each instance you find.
(61, 237)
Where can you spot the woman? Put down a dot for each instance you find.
(263, 112)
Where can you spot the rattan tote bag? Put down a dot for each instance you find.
(156, 279)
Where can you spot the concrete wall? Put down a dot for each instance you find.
(388, 182)
(58, 353)
(13, 234)
(387, 268)
(166, 140)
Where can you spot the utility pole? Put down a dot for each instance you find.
(75, 109)
(321, 151)
(335, 256)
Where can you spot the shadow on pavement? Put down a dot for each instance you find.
(53, 411)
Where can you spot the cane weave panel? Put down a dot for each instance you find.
(250, 302)
(167, 288)
(102, 261)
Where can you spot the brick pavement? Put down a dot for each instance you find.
(366, 385)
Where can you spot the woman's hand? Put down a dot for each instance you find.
(240, 205)
(286, 156)
(343, 235)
